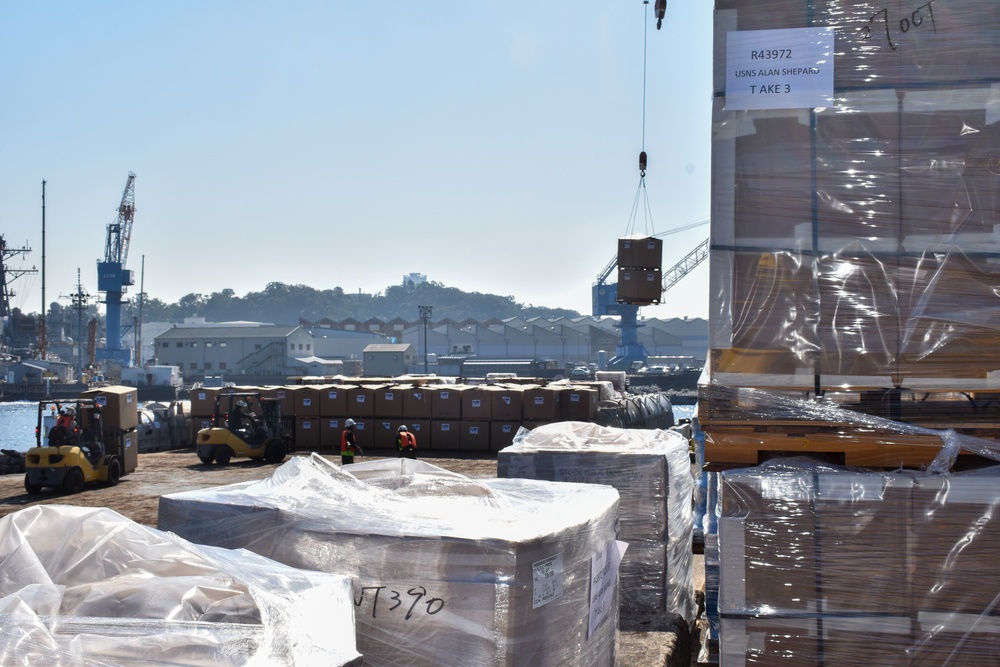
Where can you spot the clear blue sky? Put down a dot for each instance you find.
(491, 145)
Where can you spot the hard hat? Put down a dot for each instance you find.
(349, 423)
(402, 428)
(71, 410)
(241, 404)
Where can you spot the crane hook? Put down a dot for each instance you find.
(660, 9)
(642, 164)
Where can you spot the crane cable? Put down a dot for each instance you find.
(641, 195)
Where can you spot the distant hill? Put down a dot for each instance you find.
(287, 304)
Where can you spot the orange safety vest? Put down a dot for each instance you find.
(346, 448)
(406, 439)
(65, 420)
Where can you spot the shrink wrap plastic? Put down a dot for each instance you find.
(652, 471)
(447, 570)
(85, 586)
(856, 239)
(840, 566)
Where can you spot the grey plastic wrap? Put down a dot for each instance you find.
(839, 566)
(447, 570)
(652, 471)
(855, 239)
(87, 586)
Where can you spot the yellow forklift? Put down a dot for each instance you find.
(245, 424)
(70, 450)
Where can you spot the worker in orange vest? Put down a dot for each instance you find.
(64, 432)
(348, 446)
(407, 443)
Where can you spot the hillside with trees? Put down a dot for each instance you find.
(279, 303)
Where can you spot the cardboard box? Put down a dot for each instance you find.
(475, 436)
(541, 404)
(502, 433)
(642, 286)
(360, 402)
(120, 406)
(506, 403)
(640, 252)
(384, 433)
(447, 402)
(418, 402)
(307, 401)
(307, 434)
(333, 400)
(389, 401)
(203, 401)
(445, 434)
(477, 404)
(515, 560)
(578, 404)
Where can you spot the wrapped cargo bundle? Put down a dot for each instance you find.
(86, 586)
(447, 570)
(856, 194)
(832, 565)
(651, 469)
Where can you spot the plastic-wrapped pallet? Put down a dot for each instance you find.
(447, 570)
(85, 586)
(652, 471)
(838, 566)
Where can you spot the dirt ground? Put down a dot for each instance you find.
(644, 639)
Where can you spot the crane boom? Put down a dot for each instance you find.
(120, 231)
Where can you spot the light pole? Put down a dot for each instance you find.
(425, 314)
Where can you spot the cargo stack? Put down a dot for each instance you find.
(651, 469)
(640, 259)
(487, 572)
(854, 263)
(119, 420)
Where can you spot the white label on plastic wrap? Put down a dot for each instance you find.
(548, 580)
(443, 395)
(202, 396)
(779, 69)
(128, 399)
(539, 400)
(331, 394)
(473, 430)
(128, 442)
(603, 582)
(417, 395)
(334, 423)
(574, 398)
(306, 402)
(306, 425)
(445, 427)
(389, 396)
(505, 399)
(360, 398)
(476, 403)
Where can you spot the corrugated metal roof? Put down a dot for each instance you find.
(226, 332)
(387, 347)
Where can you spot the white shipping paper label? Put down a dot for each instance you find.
(548, 580)
(604, 582)
(779, 69)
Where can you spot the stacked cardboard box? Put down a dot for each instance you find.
(856, 234)
(830, 565)
(651, 470)
(485, 572)
(119, 420)
(639, 261)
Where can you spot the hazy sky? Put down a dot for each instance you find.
(491, 145)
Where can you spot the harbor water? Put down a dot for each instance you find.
(17, 425)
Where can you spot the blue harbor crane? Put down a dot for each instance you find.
(605, 300)
(113, 278)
